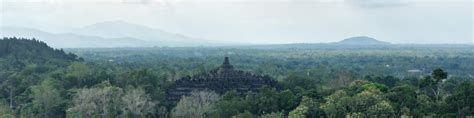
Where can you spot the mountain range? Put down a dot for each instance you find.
(110, 34)
(113, 34)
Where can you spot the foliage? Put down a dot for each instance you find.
(375, 86)
(337, 104)
(273, 115)
(96, 102)
(462, 100)
(46, 99)
(39, 81)
(245, 114)
(403, 99)
(230, 105)
(432, 84)
(198, 105)
(136, 103)
(19, 52)
(306, 108)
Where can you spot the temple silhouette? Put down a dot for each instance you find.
(220, 80)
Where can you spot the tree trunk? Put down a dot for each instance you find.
(459, 111)
(11, 98)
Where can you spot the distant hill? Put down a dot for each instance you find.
(18, 52)
(361, 40)
(120, 29)
(111, 34)
(70, 40)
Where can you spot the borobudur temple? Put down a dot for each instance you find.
(220, 80)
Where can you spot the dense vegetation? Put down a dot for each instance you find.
(38, 81)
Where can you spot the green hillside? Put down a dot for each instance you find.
(16, 53)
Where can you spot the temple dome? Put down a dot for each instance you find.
(222, 79)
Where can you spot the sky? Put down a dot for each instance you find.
(260, 21)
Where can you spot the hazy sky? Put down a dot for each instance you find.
(260, 21)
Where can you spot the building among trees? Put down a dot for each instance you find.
(220, 80)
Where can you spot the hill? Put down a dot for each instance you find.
(121, 29)
(361, 40)
(16, 53)
(118, 29)
(111, 34)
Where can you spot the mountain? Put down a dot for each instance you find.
(361, 40)
(111, 34)
(120, 29)
(70, 40)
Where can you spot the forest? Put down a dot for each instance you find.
(402, 81)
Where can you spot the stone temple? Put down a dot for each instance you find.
(220, 80)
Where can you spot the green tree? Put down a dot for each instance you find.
(299, 112)
(361, 102)
(381, 109)
(5, 109)
(230, 105)
(146, 79)
(266, 100)
(79, 70)
(79, 74)
(439, 75)
(287, 100)
(389, 81)
(403, 98)
(11, 87)
(306, 108)
(375, 86)
(425, 105)
(46, 99)
(293, 81)
(199, 70)
(462, 100)
(337, 104)
(433, 83)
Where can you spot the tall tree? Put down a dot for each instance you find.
(96, 102)
(136, 103)
(46, 99)
(198, 105)
(433, 83)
